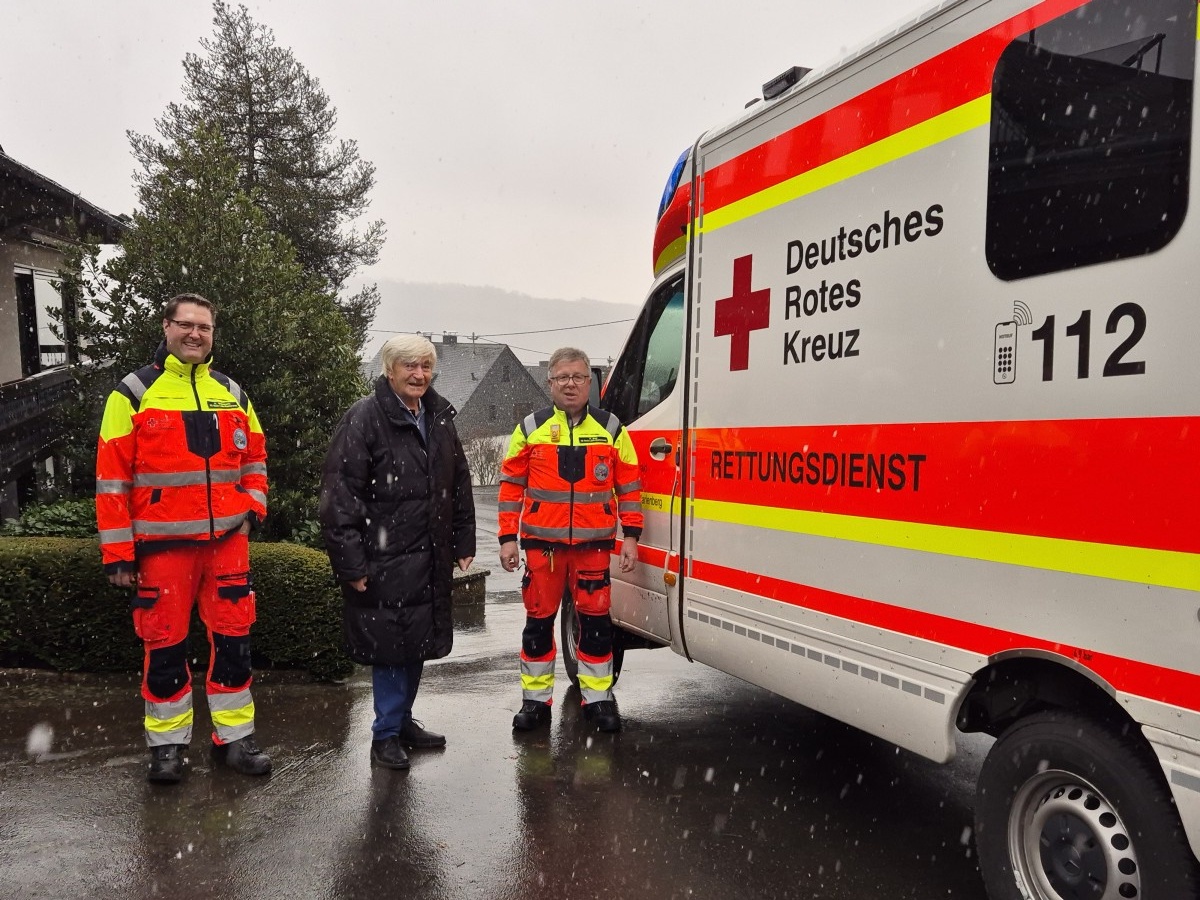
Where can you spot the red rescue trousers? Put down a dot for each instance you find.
(548, 574)
(216, 575)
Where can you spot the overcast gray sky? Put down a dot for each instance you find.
(519, 144)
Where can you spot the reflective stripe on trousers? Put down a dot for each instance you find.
(169, 722)
(595, 677)
(232, 715)
(537, 677)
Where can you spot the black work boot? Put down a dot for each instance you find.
(603, 714)
(243, 756)
(532, 715)
(414, 736)
(166, 764)
(388, 753)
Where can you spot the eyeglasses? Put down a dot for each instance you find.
(202, 327)
(564, 380)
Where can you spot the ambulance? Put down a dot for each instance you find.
(916, 397)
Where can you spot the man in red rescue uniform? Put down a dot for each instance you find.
(569, 476)
(181, 478)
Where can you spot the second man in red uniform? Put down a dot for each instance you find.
(569, 476)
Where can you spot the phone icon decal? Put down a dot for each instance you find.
(1004, 362)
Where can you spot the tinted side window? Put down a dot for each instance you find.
(649, 367)
(1091, 120)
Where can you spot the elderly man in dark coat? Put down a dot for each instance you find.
(397, 513)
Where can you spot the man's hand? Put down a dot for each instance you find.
(628, 554)
(359, 585)
(464, 563)
(510, 556)
(123, 579)
(244, 528)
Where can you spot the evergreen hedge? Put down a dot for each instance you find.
(57, 609)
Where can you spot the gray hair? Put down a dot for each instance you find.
(407, 348)
(567, 355)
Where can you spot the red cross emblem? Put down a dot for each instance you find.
(744, 312)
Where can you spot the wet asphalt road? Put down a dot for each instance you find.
(714, 790)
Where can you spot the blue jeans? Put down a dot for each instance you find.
(394, 689)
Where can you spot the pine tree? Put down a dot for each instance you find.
(279, 127)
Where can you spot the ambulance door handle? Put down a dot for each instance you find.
(660, 448)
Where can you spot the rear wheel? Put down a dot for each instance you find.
(1071, 809)
(569, 634)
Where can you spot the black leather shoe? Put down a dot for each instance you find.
(166, 764)
(389, 754)
(414, 736)
(603, 714)
(532, 715)
(243, 756)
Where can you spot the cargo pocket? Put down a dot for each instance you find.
(236, 609)
(148, 621)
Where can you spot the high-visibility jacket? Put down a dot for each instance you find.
(565, 484)
(181, 457)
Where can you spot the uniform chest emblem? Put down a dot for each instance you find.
(600, 472)
(555, 434)
(239, 439)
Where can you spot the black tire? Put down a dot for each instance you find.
(568, 625)
(1068, 809)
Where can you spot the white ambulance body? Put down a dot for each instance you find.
(916, 396)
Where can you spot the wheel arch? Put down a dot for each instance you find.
(1018, 683)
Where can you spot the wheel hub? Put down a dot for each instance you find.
(1069, 844)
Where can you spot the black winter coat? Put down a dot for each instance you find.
(401, 513)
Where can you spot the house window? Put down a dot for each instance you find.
(492, 413)
(37, 297)
(504, 374)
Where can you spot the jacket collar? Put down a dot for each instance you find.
(560, 413)
(169, 362)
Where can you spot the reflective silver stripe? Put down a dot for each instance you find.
(135, 386)
(613, 426)
(190, 526)
(513, 480)
(238, 394)
(163, 710)
(230, 733)
(562, 534)
(113, 486)
(257, 495)
(529, 424)
(236, 700)
(254, 469)
(566, 496)
(631, 486)
(115, 535)
(168, 479)
(629, 506)
(186, 479)
(510, 506)
(194, 526)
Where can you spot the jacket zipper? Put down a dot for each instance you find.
(571, 505)
(212, 523)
